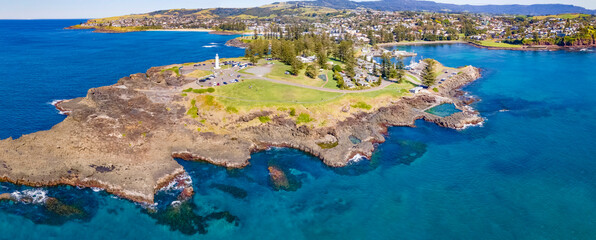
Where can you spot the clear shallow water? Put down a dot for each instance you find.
(528, 173)
(443, 110)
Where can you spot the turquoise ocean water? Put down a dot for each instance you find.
(528, 173)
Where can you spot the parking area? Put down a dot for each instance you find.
(227, 74)
(446, 74)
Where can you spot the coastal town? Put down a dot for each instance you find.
(368, 26)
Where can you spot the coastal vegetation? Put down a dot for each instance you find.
(362, 105)
(174, 69)
(303, 118)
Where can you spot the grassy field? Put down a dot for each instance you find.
(410, 78)
(254, 93)
(199, 73)
(393, 90)
(331, 84)
(305, 106)
(279, 70)
(493, 43)
(562, 16)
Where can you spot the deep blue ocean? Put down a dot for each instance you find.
(528, 173)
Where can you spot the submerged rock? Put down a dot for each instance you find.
(232, 190)
(183, 217)
(278, 178)
(56, 206)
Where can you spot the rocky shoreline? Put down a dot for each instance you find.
(236, 43)
(124, 138)
(521, 48)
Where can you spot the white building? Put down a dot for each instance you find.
(217, 61)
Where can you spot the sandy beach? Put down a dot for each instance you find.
(181, 30)
(418, 43)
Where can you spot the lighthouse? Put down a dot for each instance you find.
(217, 61)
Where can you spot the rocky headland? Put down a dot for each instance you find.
(124, 138)
(235, 42)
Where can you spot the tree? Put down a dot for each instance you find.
(253, 59)
(385, 65)
(345, 51)
(296, 67)
(379, 81)
(375, 71)
(340, 80)
(312, 71)
(401, 72)
(428, 74)
(336, 68)
(322, 58)
(350, 71)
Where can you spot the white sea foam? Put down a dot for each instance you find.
(54, 102)
(357, 158)
(471, 125)
(175, 203)
(210, 46)
(34, 196)
(178, 183)
(96, 189)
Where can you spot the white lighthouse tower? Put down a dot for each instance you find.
(217, 61)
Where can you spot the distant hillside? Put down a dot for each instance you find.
(277, 9)
(413, 5)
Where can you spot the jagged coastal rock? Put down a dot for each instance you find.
(235, 42)
(124, 138)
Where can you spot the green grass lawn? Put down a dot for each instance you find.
(331, 84)
(199, 73)
(396, 90)
(493, 43)
(279, 70)
(253, 93)
(562, 16)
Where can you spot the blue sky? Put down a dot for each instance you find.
(46, 9)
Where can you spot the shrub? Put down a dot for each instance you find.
(209, 100)
(199, 91)
(292, 112)
(184, 94)
(187, 90)
(264, 119)
(362, 105)
(328, 145)
(436, 89)
(303, 118)
(231, 110)
(193, 111)
(210, 90)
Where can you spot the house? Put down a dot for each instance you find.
(306, 59)
(416, 89)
